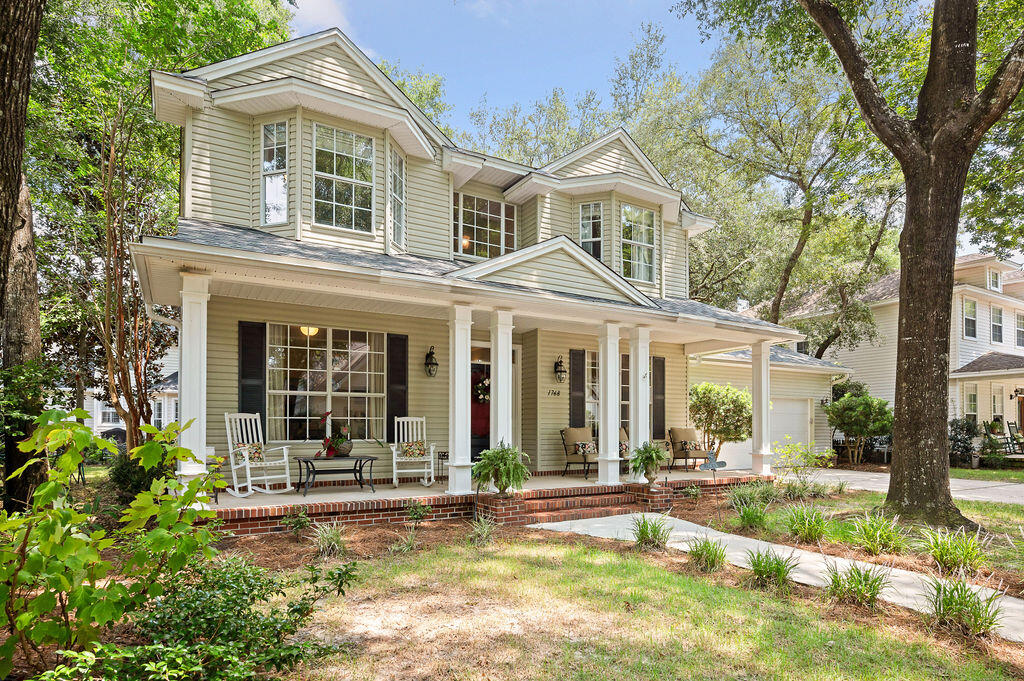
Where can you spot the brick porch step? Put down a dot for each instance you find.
(582, 501)
(582, 513)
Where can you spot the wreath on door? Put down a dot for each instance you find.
(482, 390)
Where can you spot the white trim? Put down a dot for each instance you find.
(992, 324)
(965, 375)
(393, 152)
(616, 134)
(372, 184)
(562, 244)
(989, 271)
(174, 96)
(964, 318)
(591, 239)
(776, 366)
(264, 174)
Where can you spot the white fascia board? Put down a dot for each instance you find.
(695, 223)
(174, 96)
(979, 292)
(734, 361)
(616, 134)
(530, 186)
(285, 93)
(983, 374)
(561, 244)
(669, 199)
(464, 165)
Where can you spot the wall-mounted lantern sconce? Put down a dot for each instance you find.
(560, 371)
(430, 363)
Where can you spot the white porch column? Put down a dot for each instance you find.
(460, 322)
(608, 412)
(760, 392)
(195, 294)
(501, 377)
(639, 386)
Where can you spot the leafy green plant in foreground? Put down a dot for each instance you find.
(857, 585)
(878, 534)
(503, 466)
(650, 534)
(954, 551)
(807, 523)
(770, 570)
(707, 555)
(956, 605)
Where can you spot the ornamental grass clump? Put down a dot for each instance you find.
(857, 585)
(877, 534)
(954, 551)
(807, 523)
(706, 554)
(760, 492)
(650, 534)
(753, 516)
(770, 570)
(956, 605)
(481, 531)
(329, 540)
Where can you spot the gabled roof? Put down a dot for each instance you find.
(545, 249)
(620, 135)
(314, 41)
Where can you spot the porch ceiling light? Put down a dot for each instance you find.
(309, 330)
(560, 371)
(430, 362)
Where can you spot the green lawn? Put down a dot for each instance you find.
(1004, 475)
(549, 610)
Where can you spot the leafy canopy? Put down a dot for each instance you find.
(721, 413)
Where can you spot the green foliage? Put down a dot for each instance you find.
(405, 543)
(857, 585)
(807, 523)
(770, 570)
(877, 534)
(481, 530)
(721, 413)
(993, 455)
(416, 511)
(753, 516)
(848, 387)
(954, 551)
(961, 440)
(795, 490)
(296, 521)
(129, 478)
(799, 459)
(502, 466)
(647, 460)
(860, 418)
(956, 605)
(21, 387)
(650, 534)
(692, 492)
(329, 540)
(757, 492)
(839, 487)
(819, 490)
(706, 554)
(426, 90)
(54, 585)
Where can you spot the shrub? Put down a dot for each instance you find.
(296, 521)
(795, 490)
(329, 540)
(721, 413)
(961, 441)
(753, 516)
(481, 530)
(877, 534)
(416, 511)
(707, 555)
(839, 487)
(954, 551)
(760, 492)
(692, 492)
(129, 478)
(807, 523)
(859, 418)
(771, 571)
(819, 490)
(957, 606)
(857, 585)
(799, 459)
(993, 455)
(646, 460)
(650, 534)
(502, 466)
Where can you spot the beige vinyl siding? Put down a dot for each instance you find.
(329, 66)
(221, 167)
(975, 276)
(615, 223)
(613, 157)
(964, 350)
(676, 262)
(428, 397)
(556, 272)
(875, 364)
(527, 222)
(484, 191)
(428, 207)
(555, 217)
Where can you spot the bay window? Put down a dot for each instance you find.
(482, 228)
(637, 243)
(274, 173)
(342, 179)
(591, 218)
(396, 197)
(314, 371)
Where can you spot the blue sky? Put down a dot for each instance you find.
(510, 50)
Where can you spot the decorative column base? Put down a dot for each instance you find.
(608, 471)
(761, 462)
(460, 478)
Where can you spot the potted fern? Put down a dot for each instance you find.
(647, 459)
(503, 467)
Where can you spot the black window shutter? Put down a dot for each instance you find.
(398, 381)
(658, 398)
(252, 369)
(577, 388)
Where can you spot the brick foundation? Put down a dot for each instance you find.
(653, 498)
(504, 510)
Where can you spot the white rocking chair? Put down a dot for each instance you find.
(248, 476)
(412, 429)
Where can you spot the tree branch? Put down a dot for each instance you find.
(1004, 86)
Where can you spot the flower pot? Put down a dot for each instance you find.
(651, 473)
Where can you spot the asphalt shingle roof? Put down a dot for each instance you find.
(782, 355)
(992, 361)
(168, 384)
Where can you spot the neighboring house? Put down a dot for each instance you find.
(333, 242)
(986, 340)
(104, 419)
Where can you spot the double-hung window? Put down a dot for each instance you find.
(158, 413)
(396, 197)
(274, 173)
(591, 219)
(320, 379)
(997, 403)
(997, 324)
(970, 318)
(1020, 329)
(624, 392)
(108, 415)
(482, 228)
(637, 243)
(971, 401)
(995, 280)
(592, 386)
(342, 179)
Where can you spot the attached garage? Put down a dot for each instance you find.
(798, 383)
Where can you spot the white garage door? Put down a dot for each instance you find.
(789, 417)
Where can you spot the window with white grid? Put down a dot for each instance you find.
(482, 228)
(274, 171)
(396, 195)
(637, 243)
(997, 324)
(342, 179)
(593, 389)
(591, 218)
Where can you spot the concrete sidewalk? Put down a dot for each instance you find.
(969, 490)
(906, 588)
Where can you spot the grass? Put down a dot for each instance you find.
(1002, 474)
(551, 610)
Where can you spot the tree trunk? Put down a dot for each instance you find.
(775, 312)
(919, 477)
(21, 345)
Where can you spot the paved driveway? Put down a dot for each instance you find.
(971, 490)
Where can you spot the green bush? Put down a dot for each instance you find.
(954, 551)
(753, 516)
(770, 570)
(296, 521)
(646, 460)
(860, 418)
(650, 534)
(416, 511)
(857, 585)
(481, 531)
(129, 478)
(799, 459)
(961, 441)
(819, 490)
(759, 492)
(692, 492)
(957, 606)
(329, 540)
(877, 534)
(721, 413)
(707, 555)
(807, 523)
(502, 466)
(795, 490)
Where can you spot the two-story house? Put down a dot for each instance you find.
(986, 340)
(337, 253)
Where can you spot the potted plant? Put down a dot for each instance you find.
(503, 467)
(647, 459)
(338, 443)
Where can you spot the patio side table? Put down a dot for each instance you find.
(310, 467)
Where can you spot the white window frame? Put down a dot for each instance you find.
(998, 400)
(592, 390)
(174, 410)
(458, 224)
(965, 317)
(158, 413)
(264, 173)
(338, 178)
(624, 390)
(993, 325)
(1019, 335)
(638, 244)
(328, 393)
(998, 276)
(971, 396)
(398, 225)
(586, 232)
(108, 415)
